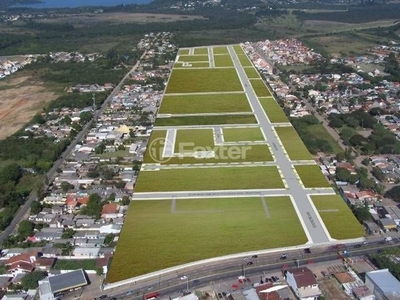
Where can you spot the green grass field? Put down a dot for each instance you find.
(319, 131)
(203, 179)
(187, 139)
(75, 264)
(206, 120)
(244, 60)
(212, 225)
(192, 65)
(243, 134)
(223, 61)
(220, 50)
(190, 104)
(203, 80)
(311, 176)
(193, 58)
(338, 218)
(260, 88)
(202, 50)
(238, 50)
(251, 73)
(293, 144)
(183, 52)
(273, 110)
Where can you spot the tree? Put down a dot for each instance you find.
(108, 174)
(125, 200)
(85, 117)
(362, 213)
(346, 133)
(66, 186)
(109, 238)
(394, 193)
(99, 271)
(342, 174)
(94, 206)
(93, 174)
(11, 172)
(25, 228)
(336, 123)
(30, 281)
(357, 140)
(36, 207)
(68, 233)
(365, 161)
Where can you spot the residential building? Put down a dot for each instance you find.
(303, 283)
(383, 284)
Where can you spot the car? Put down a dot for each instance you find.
(283, 256)
(184, 277)
(128, 293)
(219, 295)
(113, 298)
(255, 256)
(246, 258)
(196, 281)
(358, 246)
(307, 251)
(103, 297)
(150, 288)
(249, 263)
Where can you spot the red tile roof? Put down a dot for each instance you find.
(303, 276)
(110, 208)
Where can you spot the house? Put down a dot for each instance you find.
(110, 228)
(86, 252)
(383, 284)
(110, 211)
(303, 283)
(5, 281)
(45, 263)
(49, 234)
(23, 263)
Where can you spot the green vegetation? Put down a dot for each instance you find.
(75, 264)
(337, 217)
(30, 281)
(203, 80)
(198, 51)
(238, 50)
(293, 145)
(311, 176)
(260, 88)
(218, 103)
(202, 179)
(243, 134)
(187, 139)
(220, 50)
(386, 260)
(192, 65)
(242, 220)
(207, 120)
(183, 52)
(251, 73)
(223, 61)
(193, 58)
(244, 60)
(273, 111)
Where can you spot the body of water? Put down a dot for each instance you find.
(79, 3)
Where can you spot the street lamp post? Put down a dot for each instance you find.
(187, 281)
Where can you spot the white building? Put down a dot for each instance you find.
(303, 283)
(383, 284)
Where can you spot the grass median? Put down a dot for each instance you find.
(207, 120)
(273, 111)
(311, 176)
(293, 144)
(243, 134)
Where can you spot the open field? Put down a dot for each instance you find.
(274, 112)
(21, 98)
(193, 58)
(244, 60)
(206, 120)
(202, 50)
(187, 139)
(243, 134)
(183, 52)
(251, 73)
(75, 264)
(220, 50)
(223, 61)
(190, 104)
(311, 176)
(238, 50)
(338, 218)
(203, 80)
(260, 88)
(203, 179)
(90, 19)
(196, 221)
(293, 144)
(192, 65)
(318, 130)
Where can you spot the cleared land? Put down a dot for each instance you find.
(338, 218)
(244, 60)
(193, 58)
(273, 111)
(21, 98)
(238, 50)
(206, 120)
(260, 88)
(187, 139)
(294, 146)
(242, 220)
(192, 65)
(311, 176)
(242, 134)
(203, 80)
(318, 130)
(216, 103)
(223, 61)
(183, 52)
(251, 73)
(203, 50)
(220, 50)
(203, 179)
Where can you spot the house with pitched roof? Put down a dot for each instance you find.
(303, 283)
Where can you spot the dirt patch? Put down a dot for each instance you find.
(331, 289)
(20, 103)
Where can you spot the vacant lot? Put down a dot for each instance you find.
(293, 144)
(217, 103)
(203, 50)
(203, 179)
(206, 120)
(274, 112)
(319, 131)
(311, 176)
(193, 64)
(242, 225)
(260, 88)
(338, 218)
(244, 60)
(220, 50)
(183, 52)
(238, 50)
(251, 73)
(243, 134)
(193, 58)
(223, 61)
(75, 264)
(187, 139)
(203, 80)
(21, 98)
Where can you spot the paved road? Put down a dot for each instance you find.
(23, 211)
